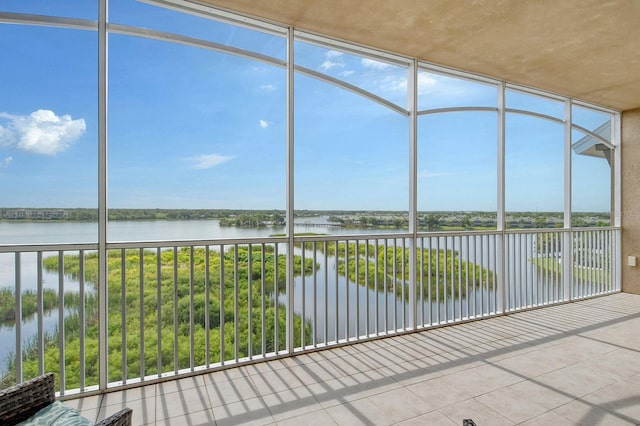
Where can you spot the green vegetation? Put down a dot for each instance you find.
(29, 304)
(427, 221)
(435, 268)
(254, 220)
(152, 310)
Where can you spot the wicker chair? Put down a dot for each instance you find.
(21, 401)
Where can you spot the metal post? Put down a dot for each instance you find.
(102, 196)
(567, 241)
(290, 189)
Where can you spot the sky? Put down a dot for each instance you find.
(195, 128)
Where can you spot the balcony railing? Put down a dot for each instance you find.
(176, 308)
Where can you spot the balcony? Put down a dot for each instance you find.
(565, 364)
(168, 325)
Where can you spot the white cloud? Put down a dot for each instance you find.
(41, 132)
(333, 60)
(268, 87)
(264, 124)
(5, 163)
(207, 161)
(327, 65)
(377, 65)
(347, 73)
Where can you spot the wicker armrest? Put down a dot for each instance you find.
(121, 418)
(19, 402)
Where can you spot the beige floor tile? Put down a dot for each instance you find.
(228, 391)
(434, 418)
(174, 404)
(179, 385)
(482, 379)
(622, 398)
(438, 393)
(549, 418)
(197, 418)
(478, 412)
(540, 394)
(315, 418)
(291, 403)
(251, 411)
(582, 413)
(576, 381)
(360, 412)
(511, 405)
(400, 404)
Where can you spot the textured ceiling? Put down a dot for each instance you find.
(586, 49)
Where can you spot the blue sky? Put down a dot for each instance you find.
(194, 128)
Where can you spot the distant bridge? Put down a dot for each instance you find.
(319, 225)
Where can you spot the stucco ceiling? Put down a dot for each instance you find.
(586, 49)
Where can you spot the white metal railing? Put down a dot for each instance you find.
(175, 308)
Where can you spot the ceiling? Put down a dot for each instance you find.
(585, 49)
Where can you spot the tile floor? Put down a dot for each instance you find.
(574, 364)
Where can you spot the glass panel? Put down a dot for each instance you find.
(534, 175)
(591, 168)
(48, 135)
(591, 182)
(351, 159)
(441, 91)
(191, 129)
(533, 103)
(457, 167)
(82, 9)
(594, 121)
(139, 14)
(383, 79)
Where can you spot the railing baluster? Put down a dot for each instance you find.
(403, 281)
(376, 294)
(315, 298)
(236, 290)
(303, 293)
(276, 293)
(263, 285)
(176, 361)
(123, 308)
(336, 318)
(326, 292)
(18, 316)
(207, 307)
(386, 291)
(346, 265)
(192, 330)
(437, 280)
(61, 329)
(395, 280)
(250, 303)
(40, 315)
(81, 315)
(366, 281)
(141, 313)
(159, 307)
